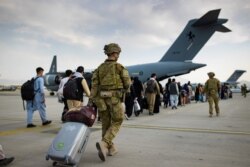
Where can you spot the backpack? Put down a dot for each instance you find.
(27, 89)
(150, 86)
(71, 90)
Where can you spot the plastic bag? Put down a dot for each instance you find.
(137, 107)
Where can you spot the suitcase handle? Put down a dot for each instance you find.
(80, 150)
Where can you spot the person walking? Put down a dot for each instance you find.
(167, 94)
(138, 87)
(38, 103)
(129, 101)
(82, 87)
(158, 99)
(152, 88)
(68, 74)
(4, 161)
(174, 94)
(244, 90)
(212, 89)
(109, 83)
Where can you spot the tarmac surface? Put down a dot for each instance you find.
(185, 137)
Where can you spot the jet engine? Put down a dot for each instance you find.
(52, 79)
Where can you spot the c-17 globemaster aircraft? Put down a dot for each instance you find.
(176, 61)
(232, 80)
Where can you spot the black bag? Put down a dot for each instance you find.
(70, 89)
(150, 86)
(144, 103)
(157, 104)
(27, 89)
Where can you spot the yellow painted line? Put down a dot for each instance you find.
(27, 130)
(187, 129)
(98, 126)
(38, 128)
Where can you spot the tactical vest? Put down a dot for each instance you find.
(109, 76)
(212, 84)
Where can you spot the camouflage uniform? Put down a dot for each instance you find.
(212, 89)
(109, 82)
(244, 90)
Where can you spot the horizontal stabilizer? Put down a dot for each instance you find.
(222, 28)
(209, 18)
(235, 76)
(194, 36)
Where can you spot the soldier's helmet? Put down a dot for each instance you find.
(211, 74)
(112, 48)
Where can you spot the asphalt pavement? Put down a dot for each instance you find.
(186, 137)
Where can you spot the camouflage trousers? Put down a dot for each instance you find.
(213, 99)
(112, 119)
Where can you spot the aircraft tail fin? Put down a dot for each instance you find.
(194, 36)
(235, 76)
(53, 66)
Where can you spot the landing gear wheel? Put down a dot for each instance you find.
(54, 163)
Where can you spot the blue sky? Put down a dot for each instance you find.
(32, 31)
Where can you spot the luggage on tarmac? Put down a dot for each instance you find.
(137, 108)
(69, 144)
(84, 114)
(204, 98)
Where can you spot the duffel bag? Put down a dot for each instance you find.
(84, 114)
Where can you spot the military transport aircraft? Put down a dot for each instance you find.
(232, 80)
(176, 61)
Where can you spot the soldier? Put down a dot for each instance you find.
(109, 82)
(244, 90)
(212, 89)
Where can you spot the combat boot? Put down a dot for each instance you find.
(102, 148)
(112, 150)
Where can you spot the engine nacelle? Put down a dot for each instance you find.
(52, 80)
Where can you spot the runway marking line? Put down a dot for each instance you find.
(98, 126)
(38, 128)
(187, 129)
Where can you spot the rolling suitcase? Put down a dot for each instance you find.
(69, 144)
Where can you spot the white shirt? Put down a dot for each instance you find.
(62, 83)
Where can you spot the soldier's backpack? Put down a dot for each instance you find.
(71, 90)
(150, 86)
(28, 90)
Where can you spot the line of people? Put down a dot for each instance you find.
(111, 85)
(177, 95)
